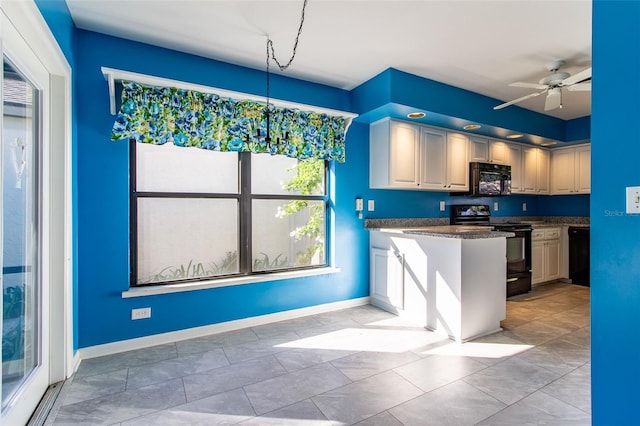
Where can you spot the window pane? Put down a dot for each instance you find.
(19, 232)
(278, 174)
(182, 238)
(169, 168)
(288, 234)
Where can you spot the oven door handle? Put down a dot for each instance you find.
(510, 280)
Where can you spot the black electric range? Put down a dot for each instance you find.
(518, 247)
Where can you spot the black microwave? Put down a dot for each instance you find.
(489, 180)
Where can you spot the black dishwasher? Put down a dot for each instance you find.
(579, 255)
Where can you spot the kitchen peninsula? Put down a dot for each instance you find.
(450, 279)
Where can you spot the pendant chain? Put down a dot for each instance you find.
(272, 54)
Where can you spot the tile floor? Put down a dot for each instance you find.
(355, 366)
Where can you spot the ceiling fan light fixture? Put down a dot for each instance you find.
(472, 127)
(416, 115)
(515, 136)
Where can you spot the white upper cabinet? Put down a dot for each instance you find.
(434, 158)
(487, 150)
(542, 171)
(571, 170)
(478, 149)
(394, 150)
(535, 170)
(408, 156)
(583, 169)
(513, 157)
(457, 162)
(498, 152)
(405, 155)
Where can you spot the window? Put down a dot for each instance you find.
(198, 214)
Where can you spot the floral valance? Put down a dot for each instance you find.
(158, 115)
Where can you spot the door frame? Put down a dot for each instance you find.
(58, 181)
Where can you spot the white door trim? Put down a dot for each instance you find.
(27, 19)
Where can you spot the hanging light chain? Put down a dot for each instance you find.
(272, 55)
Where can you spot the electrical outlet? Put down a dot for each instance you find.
(524, 207)
(495, 206)
(371, 205)
(140, 313)
(359, 204)
(633, 199)
(441, 206)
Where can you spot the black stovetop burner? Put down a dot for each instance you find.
(480, 215)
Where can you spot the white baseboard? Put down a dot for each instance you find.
(190, 333)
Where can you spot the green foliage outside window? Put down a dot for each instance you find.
(308, 181)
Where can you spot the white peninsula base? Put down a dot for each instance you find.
(453, 283)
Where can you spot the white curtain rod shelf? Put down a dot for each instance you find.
(113, 75)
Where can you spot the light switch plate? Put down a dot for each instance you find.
(441, 206)
(633, 199)
(495, 206)
(524, 207)
(371, 205)
(359, 204)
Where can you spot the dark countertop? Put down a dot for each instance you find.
(534, 221)
(463, 232)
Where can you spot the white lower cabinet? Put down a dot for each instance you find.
(546, 255)
(452, 286)
(387, 278)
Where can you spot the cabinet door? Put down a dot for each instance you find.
(498, 152)
(457, 165)
(537, 262)
(404, 153)
(542, 171)
(583, 170)
(386, 285)
(529, 169)
(513, 158)
(478, 149)
(562, 173)
(552, 260)
(433, 156)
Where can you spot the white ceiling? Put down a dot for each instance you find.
(478, 45)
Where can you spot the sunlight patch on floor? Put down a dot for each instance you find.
(479, 350)
(362, 339)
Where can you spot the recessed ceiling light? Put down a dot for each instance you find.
(416, 114)
(514, 136)
(472, 127)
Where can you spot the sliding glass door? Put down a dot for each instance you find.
(25, 341)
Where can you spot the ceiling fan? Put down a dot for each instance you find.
(552, 85)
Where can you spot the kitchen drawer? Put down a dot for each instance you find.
(545, 234)
(552, 233)
(537, 234)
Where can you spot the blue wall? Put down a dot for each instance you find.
(615, 269)
(615, 247)
(103, 194)
(103, 191)
(103, 204)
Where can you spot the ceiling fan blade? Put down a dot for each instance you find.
(577, 78)
(554, 99)
(529, 85)
(580, 87)
(515, 101)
